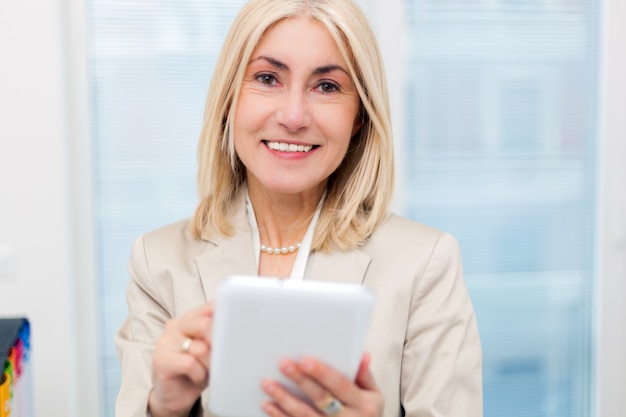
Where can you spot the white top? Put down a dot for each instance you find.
(298, 271)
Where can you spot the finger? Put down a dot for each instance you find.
(311, 388)
(171, 364)
(196, 323)
(195, 370)
(177, 340)
(337, 384)
(289, 403)
(364, 377)
(194, 326)
(198, 348)
(272, 410)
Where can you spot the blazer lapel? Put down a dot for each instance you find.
(228, 256)
(349, 267)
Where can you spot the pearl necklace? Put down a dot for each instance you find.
(280, 251)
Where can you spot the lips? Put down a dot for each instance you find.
(288, 147)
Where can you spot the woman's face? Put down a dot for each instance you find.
(297, 109)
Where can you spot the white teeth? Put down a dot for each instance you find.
(289, 147)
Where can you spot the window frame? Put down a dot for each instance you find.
(87, 392)
(611, 293)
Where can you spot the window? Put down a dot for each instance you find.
(151, 65)
(501, 142)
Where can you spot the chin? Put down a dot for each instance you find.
(291, 187)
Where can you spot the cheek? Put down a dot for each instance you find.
(341, 134)
(241, 116)
(243, 133)
(344, 125)
(249, 113)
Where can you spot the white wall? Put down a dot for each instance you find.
(37, 228)
(612, 294)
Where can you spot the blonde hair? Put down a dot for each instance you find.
(359, 191)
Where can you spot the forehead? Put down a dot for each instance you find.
(301, 39)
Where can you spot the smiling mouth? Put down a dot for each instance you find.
(288, 147)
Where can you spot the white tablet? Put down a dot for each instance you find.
(259, 321)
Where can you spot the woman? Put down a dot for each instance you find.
(295, 178)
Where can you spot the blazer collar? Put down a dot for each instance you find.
(228, 255)
(234, 255)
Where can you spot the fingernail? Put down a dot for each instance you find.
(268, 386)
(307, 364)
(287, 367)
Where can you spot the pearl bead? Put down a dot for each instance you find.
(280, 251)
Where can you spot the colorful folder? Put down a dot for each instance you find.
(14, 357)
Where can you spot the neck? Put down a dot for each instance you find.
(283, 219)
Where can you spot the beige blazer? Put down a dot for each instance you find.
(424, 342)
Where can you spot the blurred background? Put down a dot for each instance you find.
(510, 125)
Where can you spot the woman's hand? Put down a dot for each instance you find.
(180, 364)
(331, 392)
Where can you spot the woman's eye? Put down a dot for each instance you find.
(327, 87)
(267, 79)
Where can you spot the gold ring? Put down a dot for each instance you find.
(186, 345)
(331, 407)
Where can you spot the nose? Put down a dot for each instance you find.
(293, 112)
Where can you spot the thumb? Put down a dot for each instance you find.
(364, 377)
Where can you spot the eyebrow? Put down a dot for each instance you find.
(317, 71)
